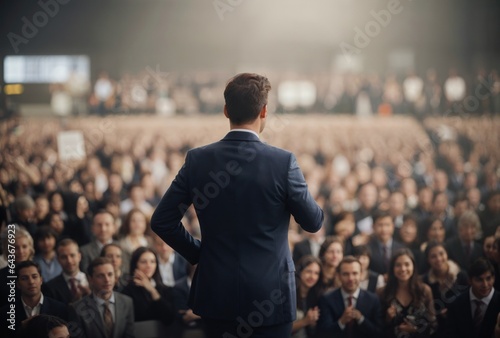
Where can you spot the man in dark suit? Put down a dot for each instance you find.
(103, 228)
(474, 313)
(30, 300)
(172, 266)
(104, 313)
(464, 249)
(244, 192)
(382, 244)
(71, 285)
(349, 311)
(309, 246)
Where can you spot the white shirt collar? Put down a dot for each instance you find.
(35, 310)
(246, 131)
(486, 300)
(80, 277)
(354, 295)
(101, 301)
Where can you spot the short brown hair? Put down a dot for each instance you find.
(97, 262)
(348, 260)
(246, 95)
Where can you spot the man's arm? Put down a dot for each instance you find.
(301, 204)
(166, 220)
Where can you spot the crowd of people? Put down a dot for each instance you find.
(412, 221)
(155, 90)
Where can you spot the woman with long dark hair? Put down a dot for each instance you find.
(152, 299)
(331, 253)
(308, 273)
(406, 301)
(446, 280)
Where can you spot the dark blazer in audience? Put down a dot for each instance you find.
(460, 324)
(147, 309)
(331, 307)
(456, 252)
(377, 261)
(49, 307)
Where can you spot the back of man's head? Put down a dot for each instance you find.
(246, 95)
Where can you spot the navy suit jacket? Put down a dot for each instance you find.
(58, 289)
(332, 306)
(376, 260)
(456, 253)
(459, 322)
(244, 192)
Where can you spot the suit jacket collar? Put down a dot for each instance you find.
(241, 136)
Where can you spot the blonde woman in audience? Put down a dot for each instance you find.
(24, 250)
(135, 230)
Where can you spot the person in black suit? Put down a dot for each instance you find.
(152, 299)
(30, 300)
(474, 313)
(308, 246)
(103, 228)
(71, 285)
(464, 249)
(173, 267)
(382, 244)
(349, 311)
(243, 192)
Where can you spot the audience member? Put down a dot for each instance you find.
(331, 253)
(407, 303)
(432, 230)
(135, 231)
(409, 237)
(446, 280)
(382, 244)
(30, 301)
(309, 245)
(152, 299)
(474, 313)
(25, 213)
(71, 285)
(103, 228)
(103, 313)
(45, 326)
(23, 251)
(114, 253)
(349, 311)
(46, 257)
(369, 280)
(172, 266)
(308, 274)
(464, 249)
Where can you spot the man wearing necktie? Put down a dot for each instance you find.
(104, 313)
(349, 311)
(474, 313)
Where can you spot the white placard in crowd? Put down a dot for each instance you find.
(71, 146)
